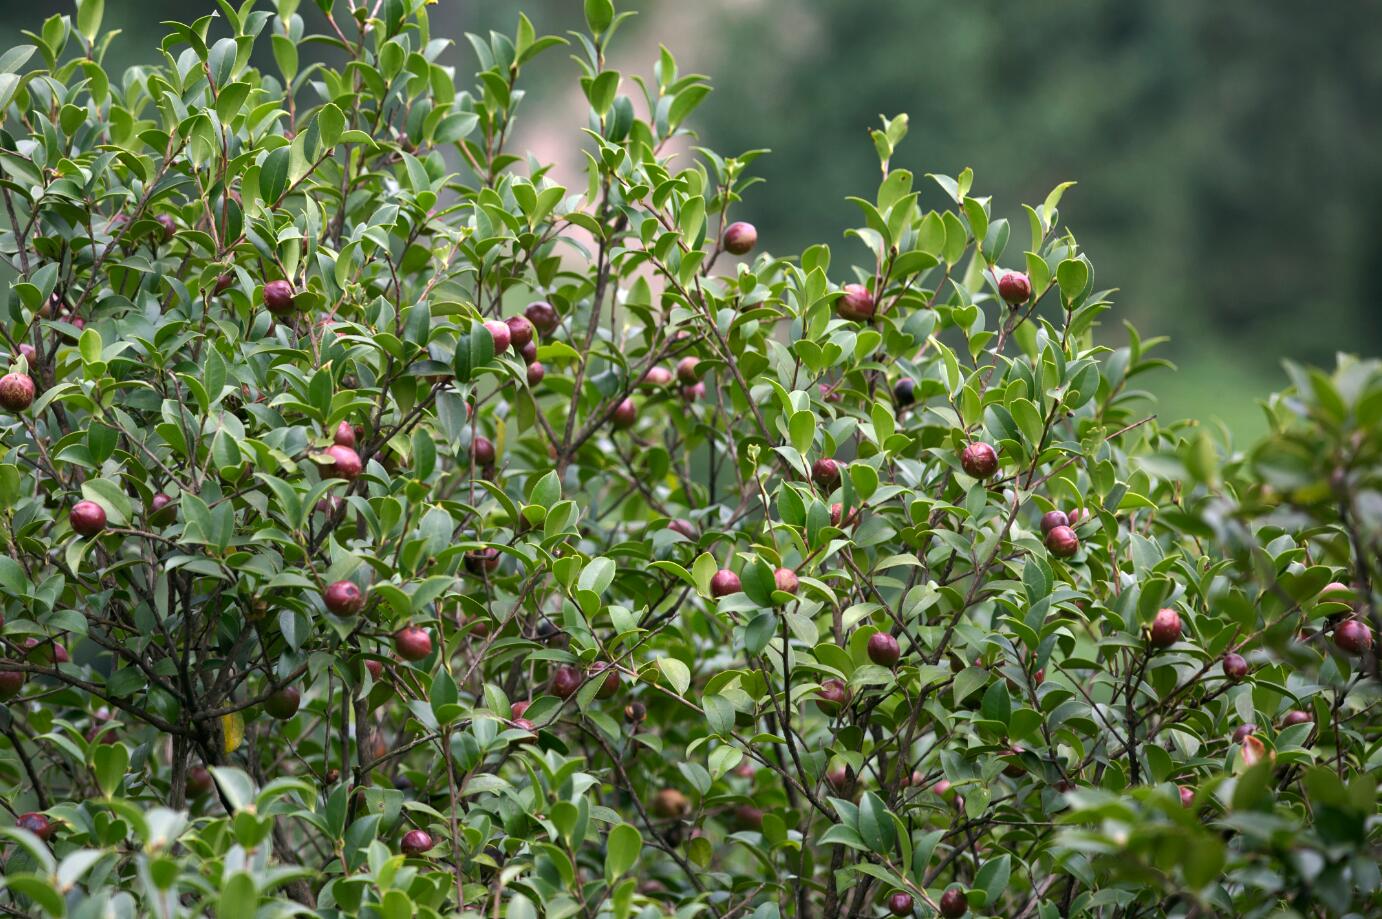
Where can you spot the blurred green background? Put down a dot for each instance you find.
(1226, 152)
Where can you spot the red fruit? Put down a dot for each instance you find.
(566, 681)
(415, 843)
(278, 296)
(157, 505)
(199, 781)
(953, 903)
(857, 303)
(900, 904)
(1165, 628)
(625, 414)
(375, 668)
(11, 682)
(979, 460)
(482, 448)
(1254, 750)
(345, 435)
(829, 393)
(883, 649)
(345, 463)
(1334, 590)
(685, 528)
(16, 392)
(748, 817)
(412, 643)
(940, 788)
(519, 708)
(692, 393)
(284, 703)
(905, 392)
(724, 582)
(535, 373)
(657, 376)
(1062, 542)
(501, 334)
(87, 518)
(1295, 717)
(832, 696)
(1052, 519)
(223, 282)
(1235, 667)
(1014, 287)
(686, 370)
(837, 511)
(482, 560)
(1352, 637)
(786, 580)
(838, 777)
(1014, 769)
(1187, 796)
(29, 354)
(611, 684)
(37, 824)
(740, 238)
(543, 316)
(825, 472)
(344, 598)
(170, 227)
(520, 331)
(528, 352)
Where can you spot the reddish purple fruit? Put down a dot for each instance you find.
(519, 708)
(344, 598)
(1244, 731)
(786, 580)
(482, 560)
(566, 681)
(724, 582)
(499, 331)
(16, 392)
(905, 392)
(543, 316)
(953, 903)
(837, 511)
(170, 227)
(1235, 667)
(482, 448)
(158, 504)
(625, 414)
(375, 668)
(520, 331)
(412, 643)
(1187, 795)
(37, 824)
(278, 296)
(856, 304)
(345, 463)
(1295, 717)
(825, 472)
(1165, 628)
(284, 703)
(536, 372)
(740, 238)
(832, 696)
(979, 460)
(1014, 287)
(199, 781)
(1052, 519)
(883, 649)
(415, 843)
(900, 904)
(88, 518)
(684, 527)
(657, 376)
(528, 352)
(838, 777)
(1352, 637)
(223, 283)
(344, 436)
(611, 684)
(1062, 542)
(11, 682)
(686, 370)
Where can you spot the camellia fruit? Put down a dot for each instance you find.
(37, 824)
(344, 598)
(1254, 750)
(1165, 629)
(825, 472)
(521, 331)
(786, 580)
(16, 392)
(684, 527)
(1062, 542)
(159, 506)
(1295, 717)
(284, 703)
(901, 904)
(1052, 519)
(657, 375)
(979, 460)
(904, 393)
(686, 370)
(415, 843)
(883, 649)
(1244, 731)
(345, 463)
(610, 686)
(499, 331)
(953, 903)
(1235, 667)
(856, 304)
(11, 682)
(480, 561)
(625, 414)
(838, 777)
(1187, 795)
(536, 372)
(278, 296)
(482, 448)
(832, 696)
(565, 681)
(199, 781)
(520, 708)
(344, 435)
(88, 518)
(724, 582)
(669, 804)
(543, 316)
(412, 643)
(1014, 287)
(528, 352)
(1352, 637)
(740, 238)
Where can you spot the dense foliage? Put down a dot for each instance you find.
(392, 531)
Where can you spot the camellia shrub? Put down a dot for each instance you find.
(393, 531)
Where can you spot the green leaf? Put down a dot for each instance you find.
(676, 673)
(876, 826)
(273, 175)
(238, 897)
(598, 15)
(109, 762)
(622, 850)
(89, 15)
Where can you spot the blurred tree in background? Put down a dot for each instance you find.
(1225, 151)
